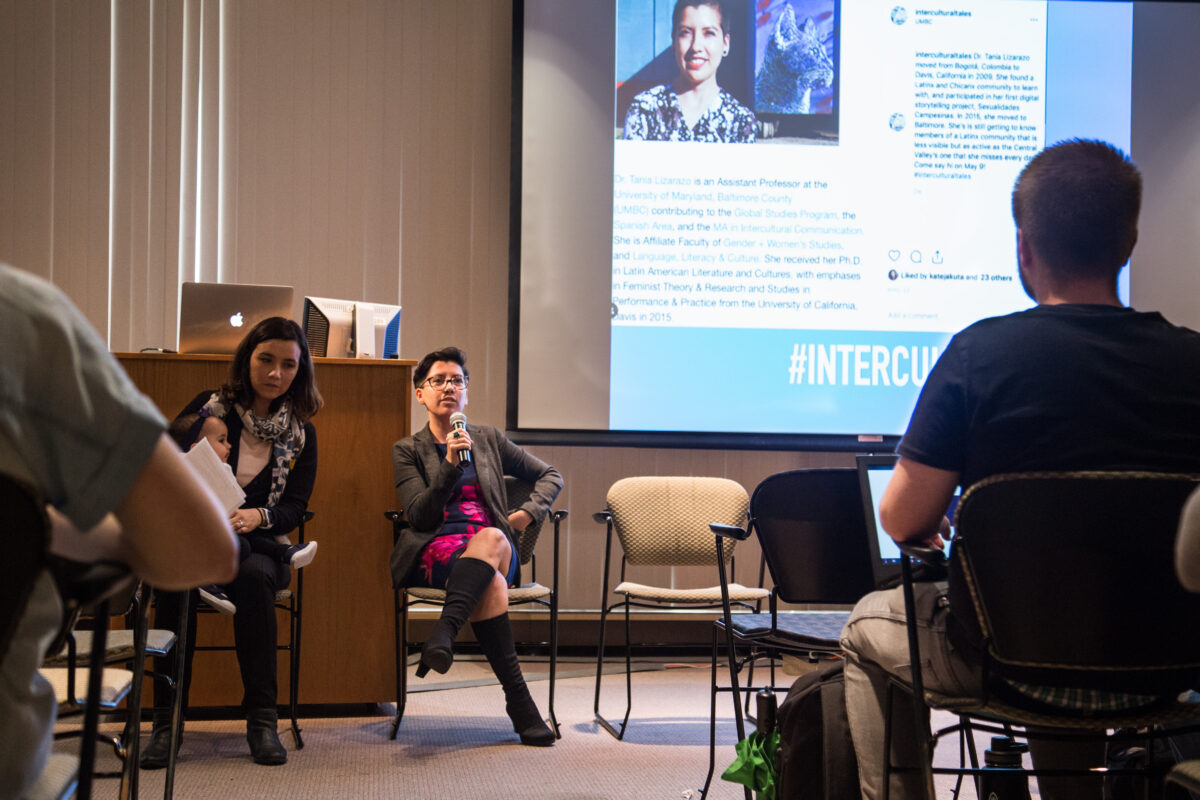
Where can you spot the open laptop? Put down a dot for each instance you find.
(213, 317)
(874, 473)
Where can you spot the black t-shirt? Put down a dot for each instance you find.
(1061, 387)
(1058, 388)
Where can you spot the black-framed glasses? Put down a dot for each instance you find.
(457, 382)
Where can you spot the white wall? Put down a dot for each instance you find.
(1166, 145)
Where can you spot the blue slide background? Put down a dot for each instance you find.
(738, 380)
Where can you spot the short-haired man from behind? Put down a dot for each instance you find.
(1077, 382)
(73, 427)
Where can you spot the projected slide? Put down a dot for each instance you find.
(794, 256)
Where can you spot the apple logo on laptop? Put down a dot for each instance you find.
(236, 320)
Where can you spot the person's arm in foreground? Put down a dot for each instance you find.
(169, 529)
(914, 504)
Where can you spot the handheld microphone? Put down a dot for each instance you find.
(458, 421)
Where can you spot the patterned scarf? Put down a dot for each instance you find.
(282, 429)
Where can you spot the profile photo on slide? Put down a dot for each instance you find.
(692, 82)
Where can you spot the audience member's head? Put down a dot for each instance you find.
(452, 354)
(1077, 204)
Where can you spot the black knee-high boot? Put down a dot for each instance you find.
(467, 582)
(496, 638)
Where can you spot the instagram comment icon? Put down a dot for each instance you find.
(899, 15)
(896, 122)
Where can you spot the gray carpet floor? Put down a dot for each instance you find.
(456, 742)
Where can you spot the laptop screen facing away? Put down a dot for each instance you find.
(874, 474)
(213, 317)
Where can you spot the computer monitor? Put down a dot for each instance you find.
(377, 330)
(329, 327)
(351, 328)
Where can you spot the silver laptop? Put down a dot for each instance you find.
(213, 317)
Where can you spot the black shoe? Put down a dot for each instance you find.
(495, 637)
(157, 752)
(261, 733)
(438, 652)
(529, 725)
(468, 580)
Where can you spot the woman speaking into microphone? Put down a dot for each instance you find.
(450, 484)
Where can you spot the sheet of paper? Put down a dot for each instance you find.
(216, 474)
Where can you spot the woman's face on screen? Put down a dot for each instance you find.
(700, 44)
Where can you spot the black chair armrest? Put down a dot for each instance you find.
(87, 583)
(83, 585)
(923, 553)
(602, 516)
(398, 523)
(932, 564)
(560, 514)
(729, 531)
(305, 518)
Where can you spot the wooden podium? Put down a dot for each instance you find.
(347, 654)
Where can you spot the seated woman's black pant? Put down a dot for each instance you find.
(255, 631)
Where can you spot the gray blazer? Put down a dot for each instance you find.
(425, 481)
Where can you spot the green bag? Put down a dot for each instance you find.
(755, 764)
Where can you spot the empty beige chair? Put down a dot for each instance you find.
(663, 522)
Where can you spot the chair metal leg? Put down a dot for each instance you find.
(735, 691)
(181, 639)
(921, 730)
(628, 668)
(91, 712)
(599, 661)
(887, 742)
(553, 660)
(712, 719)
(296, 615)
(401, 622)
(131, 734)
(619, 733)
(969, 733)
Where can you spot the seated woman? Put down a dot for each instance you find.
(694, 108)
(450, 484)
(266, 405)
(188, 430)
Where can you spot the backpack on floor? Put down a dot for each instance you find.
(815, 757)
